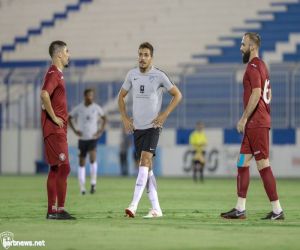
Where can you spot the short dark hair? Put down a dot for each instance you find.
(86, 91)
(254, 37)
(54, 46)
(147, 45)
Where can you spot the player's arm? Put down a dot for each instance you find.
(102, 128)
(161, 118)
(71, 124)
(46, 102)
(252, 103)
(128, 124)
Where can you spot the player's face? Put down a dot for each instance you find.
(65, 56)
(89, 97)
(199, 126)
(145, 59)
(245, 49)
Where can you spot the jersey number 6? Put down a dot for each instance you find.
(266, 95)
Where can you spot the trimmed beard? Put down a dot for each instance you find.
(246, 57)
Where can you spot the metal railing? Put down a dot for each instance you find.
(211, 94)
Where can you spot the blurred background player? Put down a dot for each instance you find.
(147, 83)
(88, 116)
(54, 126)
(255, 124)
(124, 147)
(198, 141)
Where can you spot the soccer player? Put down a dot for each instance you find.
(255, 124)
(88, 116)
(147, 84)
(54, 125)
(198, 141)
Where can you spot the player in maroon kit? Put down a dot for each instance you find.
(255, 124)
(54, 125)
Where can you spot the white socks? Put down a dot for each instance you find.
(140, 185)
(152, 192)
(81, 178)
(93, 168)
(276, 207)
(81, 175)
(241, 204)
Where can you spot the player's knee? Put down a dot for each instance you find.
(64, 169)
(262, 163)
(81, 161)
(146, 162)
(54, 168)
(146, 159)
(243, 160)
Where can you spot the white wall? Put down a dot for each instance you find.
(19, 151)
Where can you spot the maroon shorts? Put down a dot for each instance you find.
(56, 149)
(256, 142)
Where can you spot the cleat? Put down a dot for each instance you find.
(51, 216)
(273, 216)
(83, 192)
(153, 213)
(64, 215)
(130, 212)
(93, 189)
(234, 214)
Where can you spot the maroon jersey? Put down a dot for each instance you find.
(54, 84)
(257, 76)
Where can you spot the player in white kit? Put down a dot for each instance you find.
(147, 84)
(88, 116)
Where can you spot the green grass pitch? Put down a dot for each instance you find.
(191, 216)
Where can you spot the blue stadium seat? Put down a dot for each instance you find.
(271, 31)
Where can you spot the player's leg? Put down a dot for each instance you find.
(61, 184)
(123, 162)
(155, 211)
(195, 166)
(51, 159)
(93, 165)
(61, 148)
(201, 170)
(141, 181)
(242, 180)
(56, 149)
(201, 166)
(82, 146)
(51, 191)
(261, 150)
(150, 145)
(144, 165)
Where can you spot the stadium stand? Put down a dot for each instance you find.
(283, 24)
(103, 37)
(113, 29)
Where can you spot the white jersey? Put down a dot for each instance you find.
(147, 91)
(87, 118)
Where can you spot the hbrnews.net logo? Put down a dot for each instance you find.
(7, 241)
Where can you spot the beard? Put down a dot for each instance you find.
(67, 64)
(246, 56)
